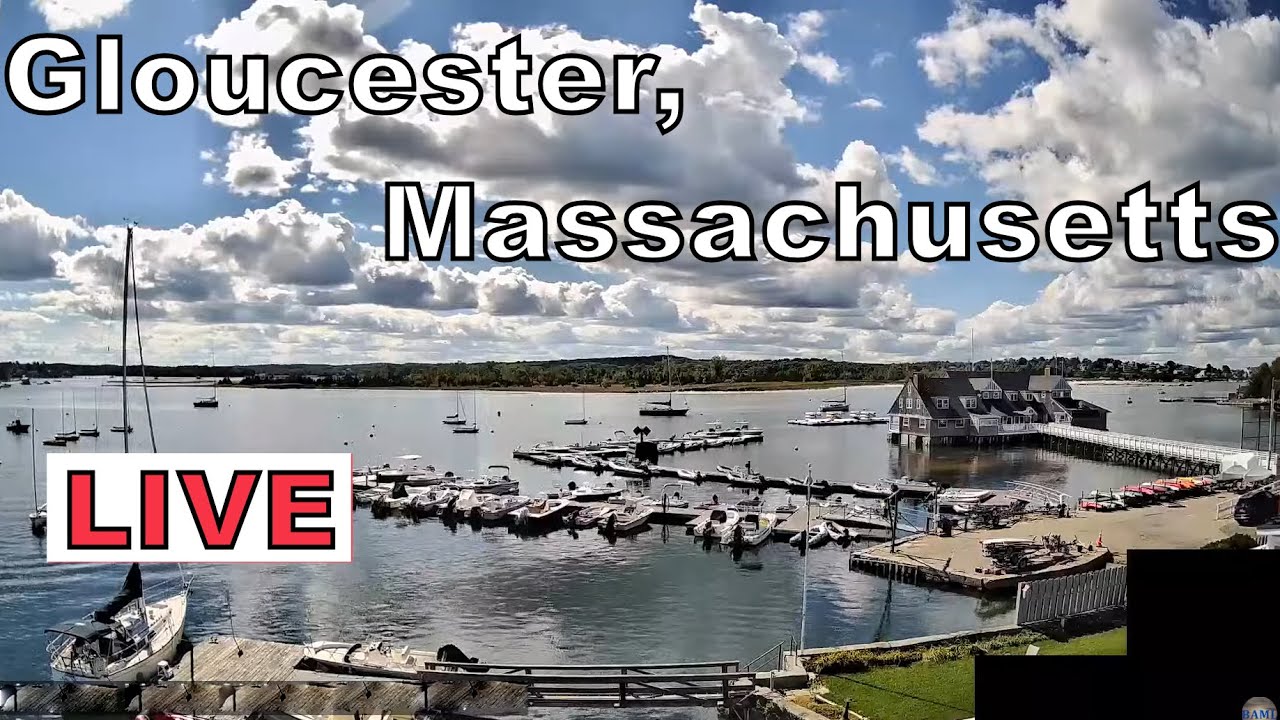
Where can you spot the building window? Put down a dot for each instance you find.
(923, 423)
(970, 402)
(1026, 395)
(1012, 395)
(942, 403)
(910, 404)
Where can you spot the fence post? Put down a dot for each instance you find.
(622, 690)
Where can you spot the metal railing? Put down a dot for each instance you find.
(774, 653)
(1198, 452)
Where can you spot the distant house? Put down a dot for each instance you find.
(965, 407)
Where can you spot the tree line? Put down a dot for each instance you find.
(626, 372)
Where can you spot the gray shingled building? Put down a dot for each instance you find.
(964, 407)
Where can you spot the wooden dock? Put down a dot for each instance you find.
(239, 676)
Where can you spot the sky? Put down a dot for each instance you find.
(260, 238)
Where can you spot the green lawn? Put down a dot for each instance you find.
(942, 691)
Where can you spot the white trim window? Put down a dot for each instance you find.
(923, 423)
(970, 403)
(942, 403)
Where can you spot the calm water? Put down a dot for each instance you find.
(555, 599)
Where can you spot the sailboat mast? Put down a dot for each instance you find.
(35, 485)
(844, 387)
(670, 393)
(124, 335)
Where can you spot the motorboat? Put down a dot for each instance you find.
(872, 489)
(964, 495)
(430, 502)
(469, 501)
(716, 523)
(590, 516)
(690, 475)
(121, 428)
(126, 639)
(369, 496)
(17, 427)
(745, 536)
(750, 505)
(495, 483)
(587, 493)
(405, 467)
(628, 469)
(502, 506)
(546, 506)
(628, 520)
(740, 474)
(375, 659)
(54, 442)
(818, 535)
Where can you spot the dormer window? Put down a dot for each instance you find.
(970, 403)
(942, 403)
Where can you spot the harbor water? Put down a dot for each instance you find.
(655, 597)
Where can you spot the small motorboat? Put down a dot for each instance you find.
(377, 659)
(54, 442)
(628, 469)
(716, 523)
(751, 505)
(587, 493)
(469, 501)
(686, 474)
(428, 503)
(819, 534)
(546, 506)
(500, 507)
(17, 427)
(589, 516)
(743, 535)
(121, 429)
(628, 520)
(872, 489)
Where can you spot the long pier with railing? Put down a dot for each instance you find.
(1146, 451)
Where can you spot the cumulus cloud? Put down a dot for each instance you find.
(29, 236)
(1133, 94)
(804, 30)
(921, 171)
(62, 15)
(252, 167)
(869, 103)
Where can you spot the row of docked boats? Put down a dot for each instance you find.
(825, 418)
(1146, 493)
(589, 456)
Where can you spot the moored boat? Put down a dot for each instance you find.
(127, 638)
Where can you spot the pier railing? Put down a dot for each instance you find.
(629, 685)
(1055, 599)
(1174, 449)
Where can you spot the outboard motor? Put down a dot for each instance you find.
(610, 526)
(737, 537)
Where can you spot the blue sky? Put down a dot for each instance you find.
(102, 168)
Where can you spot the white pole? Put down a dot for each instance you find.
(804, 539)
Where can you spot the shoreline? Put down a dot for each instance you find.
(764, 386)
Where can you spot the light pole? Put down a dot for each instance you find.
(804, 548)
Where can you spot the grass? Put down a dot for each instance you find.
(939, 686)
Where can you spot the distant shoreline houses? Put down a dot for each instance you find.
(975, 408)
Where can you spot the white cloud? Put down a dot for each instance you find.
(869, 103)
(1133, 94)
(254, 168)
(803, 31)
(62, 15)
(917, 168)
(880, 58)
(29, 236)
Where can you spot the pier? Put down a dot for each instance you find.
(230, 675)
(1171, 455)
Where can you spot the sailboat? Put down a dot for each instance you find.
(127, 638)
(66, 435)
(473, 428)
(582, 420)
(39, 517)
(664, 408)
(93, 431)
(841, 405)
(212, 400)
(459, 416)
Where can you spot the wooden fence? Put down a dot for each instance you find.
(1060, 598)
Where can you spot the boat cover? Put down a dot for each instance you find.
(86, 631)
(131, 590)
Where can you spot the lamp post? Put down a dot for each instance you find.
(804, 548)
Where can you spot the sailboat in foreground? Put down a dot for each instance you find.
(127, 638)
(664, 408)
